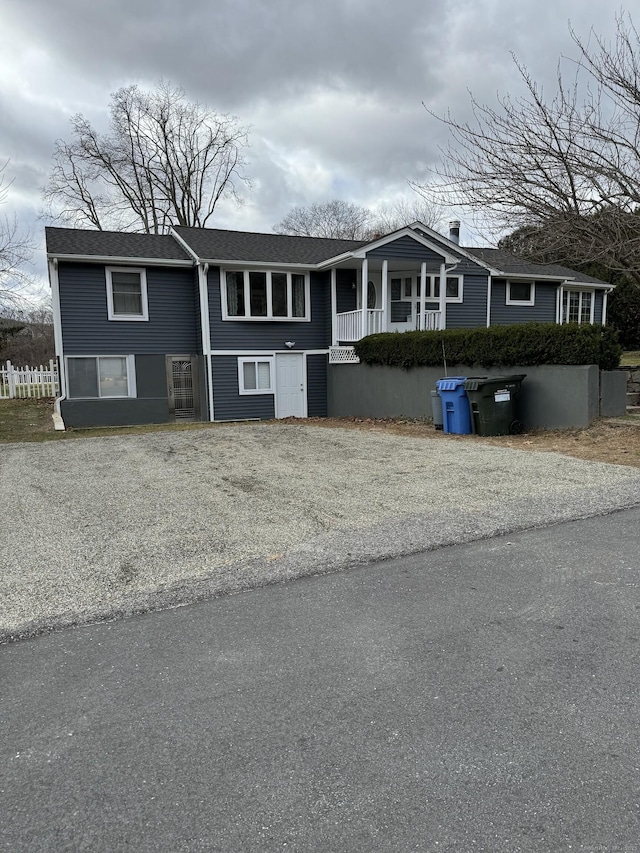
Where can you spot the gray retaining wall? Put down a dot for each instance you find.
(552, 397)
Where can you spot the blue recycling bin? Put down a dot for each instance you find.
(456, 412)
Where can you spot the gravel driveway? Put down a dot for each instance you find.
(100, 527)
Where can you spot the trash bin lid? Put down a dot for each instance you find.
(450, 383)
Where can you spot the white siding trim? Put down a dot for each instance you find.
(489, 295)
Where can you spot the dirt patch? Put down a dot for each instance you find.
(606, 440)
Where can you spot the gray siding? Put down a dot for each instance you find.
(473, 311)
(346, 293)
(171, 328)
(81, 414)
(317, 386)
(228, 403)
(597, 311)
(408, 248)
(544, 311)
(265, 334)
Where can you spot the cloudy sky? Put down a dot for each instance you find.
(333, 89)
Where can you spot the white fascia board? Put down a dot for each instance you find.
(269, 265)
(111, 259)
(345, 256)
(184, 245)
(406, 232)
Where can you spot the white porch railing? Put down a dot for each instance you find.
(28, 381)
(349, 327)
(429, 321)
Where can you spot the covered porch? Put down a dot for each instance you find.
(387, 295)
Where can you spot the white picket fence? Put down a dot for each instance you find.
(28, 381)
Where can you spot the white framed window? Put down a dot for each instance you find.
(127, 293)
(521, 293)
(255, 375)
(454, 288)
(91, 377)
(265, 295)
(578, 306)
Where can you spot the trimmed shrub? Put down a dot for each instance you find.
(497, 346)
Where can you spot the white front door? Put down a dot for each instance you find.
(291, 391)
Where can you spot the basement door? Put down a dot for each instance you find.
(182, 387)
(291, 391)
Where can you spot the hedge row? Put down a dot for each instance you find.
(498, 346)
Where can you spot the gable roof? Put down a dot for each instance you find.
(219, 245)
(113, 244)
(511, 264)
(215, 244)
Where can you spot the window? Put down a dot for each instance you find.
(521, 293)
(454, 288)
(101, 376)
(400, 309)
(577, 306)
(127, 294)
(255, 375)
(258, 295)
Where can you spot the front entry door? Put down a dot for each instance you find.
(182, 387)
(291, 391)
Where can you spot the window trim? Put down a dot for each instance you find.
(127, 318)
(431, 288)
(254, 359)
(131, 376)
(269, 318)
(527, 303)
(581, 291)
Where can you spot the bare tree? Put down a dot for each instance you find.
(405, 211)
(339, 219)
(16, 250)
(342, 219)
(26, 335)
(164, 161)
(569, 165)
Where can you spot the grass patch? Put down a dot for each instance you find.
(630, 359)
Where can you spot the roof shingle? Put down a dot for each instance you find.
(214, 244)
(114, 244)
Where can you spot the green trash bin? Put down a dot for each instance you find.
(494, 404)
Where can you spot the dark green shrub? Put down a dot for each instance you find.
(498, 346)
(624, 313)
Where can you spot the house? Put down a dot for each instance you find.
(208, 324)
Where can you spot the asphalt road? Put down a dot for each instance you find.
(483, 697)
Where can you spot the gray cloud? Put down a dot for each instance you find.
(333, 90)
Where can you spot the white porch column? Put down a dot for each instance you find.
(442, 306)
(365, 279)
(423, 294)
(604, 306)
(334, 309)
(560, 304)
(385, 293)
